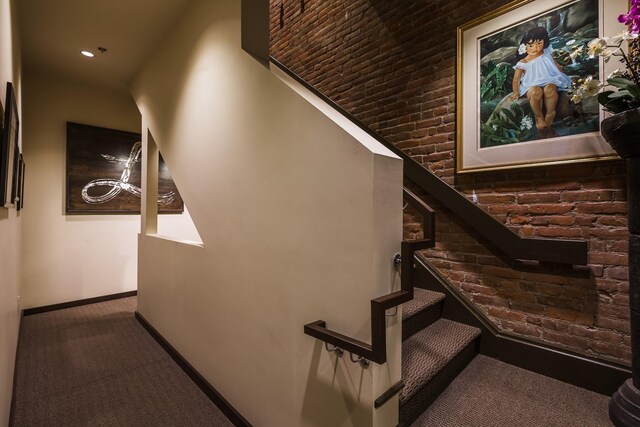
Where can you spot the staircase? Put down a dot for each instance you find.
(434, 352)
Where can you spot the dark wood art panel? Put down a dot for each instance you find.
(20, 183)
(104, 173)
(9, 151)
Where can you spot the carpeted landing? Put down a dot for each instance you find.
(490, 393)
(95, 365)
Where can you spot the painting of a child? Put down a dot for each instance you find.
(527, 72)
(539, 76)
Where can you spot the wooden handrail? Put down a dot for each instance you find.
(561, 251)
(377, 350)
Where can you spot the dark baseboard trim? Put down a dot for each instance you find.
(12, 406)
(569, 367)
(70, 304)
(234, 416)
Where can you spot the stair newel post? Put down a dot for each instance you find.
(633, 196)
(622, 131)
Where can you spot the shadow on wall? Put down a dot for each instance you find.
(571, 307)
(319, 392)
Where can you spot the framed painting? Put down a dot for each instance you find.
(104, 173)
(9, 150)
(516, 68)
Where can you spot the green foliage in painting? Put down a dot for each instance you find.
(496, 81)
(508, 127)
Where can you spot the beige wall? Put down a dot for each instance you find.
(71, 257)
(10, 220)
(300, 220)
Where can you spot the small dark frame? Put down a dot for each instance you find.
(104, 173)
(9, 150)
(21, 169)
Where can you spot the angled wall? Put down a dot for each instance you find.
(300, 220)
(72, 257)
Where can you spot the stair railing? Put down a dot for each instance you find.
(377, 351)
(560, 251)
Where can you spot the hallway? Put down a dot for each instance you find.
(96, 365)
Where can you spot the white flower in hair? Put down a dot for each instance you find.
(522, 49)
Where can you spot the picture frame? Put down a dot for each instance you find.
(497, 129)
(103, 173)
(21, 171)
(9, 150)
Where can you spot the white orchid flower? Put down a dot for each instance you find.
(616, 73)
(597, 47)
(522, 49)
(591, 86)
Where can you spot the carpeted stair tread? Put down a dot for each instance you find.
(430, 350)
(422, 299)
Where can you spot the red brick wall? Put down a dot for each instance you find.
(392, 64)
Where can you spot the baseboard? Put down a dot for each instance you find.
(569, 367)
(234, 416)
(70, 304)
(12, 406)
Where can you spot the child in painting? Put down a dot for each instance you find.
(539, 76)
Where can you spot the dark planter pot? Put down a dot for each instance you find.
(622, 131)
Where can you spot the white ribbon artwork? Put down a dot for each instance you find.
(117, 186)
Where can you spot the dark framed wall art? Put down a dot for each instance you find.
(20, 182)
(9, 151)
(104, 173)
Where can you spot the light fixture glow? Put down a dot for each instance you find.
(87, 54)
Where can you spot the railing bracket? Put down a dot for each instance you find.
(337, 350)
(397, 261)
(361, 360)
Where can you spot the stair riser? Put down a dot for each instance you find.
(421, 320)
(419, 402)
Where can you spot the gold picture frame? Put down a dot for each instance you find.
(487, 137)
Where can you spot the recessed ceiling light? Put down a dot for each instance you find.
(87, 54)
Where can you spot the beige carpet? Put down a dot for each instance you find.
(95, 365)
(490, 393)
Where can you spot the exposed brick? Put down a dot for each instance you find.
(506, 314)
(569, 340)
(393, 66)
(608, 258)
(619, 273)
(490, 300)
(587, 196)
(546, 209)
(478, 289)
(596, 334)
(521, 328)
(618, 351)
(569, 315)
(558, 232)
(538, 197)
(621, 325)
(602, 208)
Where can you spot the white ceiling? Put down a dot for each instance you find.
(53, 32)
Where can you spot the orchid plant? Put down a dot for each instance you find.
(626, 81)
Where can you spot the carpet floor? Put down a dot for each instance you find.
(490, 393)
(95, 365)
